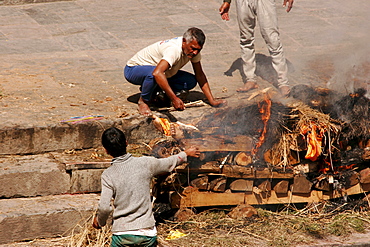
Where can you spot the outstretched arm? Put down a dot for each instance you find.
(224, 11)
(204, 85)
(290, 4)
(162, 81)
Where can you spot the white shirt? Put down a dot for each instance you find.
(169, 50)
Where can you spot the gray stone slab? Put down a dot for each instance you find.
(52, 138)
(44, 217)
(86, 181)
(28, 176)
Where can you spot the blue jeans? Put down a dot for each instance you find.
(143, 76)
(133, 240)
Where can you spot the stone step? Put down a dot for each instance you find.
(19, 2)
(44, 217)
(65, 136)
(48, 174)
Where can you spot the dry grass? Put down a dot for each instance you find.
(85, 235)
(300, 116)
(288, 226)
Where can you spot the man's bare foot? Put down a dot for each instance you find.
(144, 107)
(285, 91)
(249, 85)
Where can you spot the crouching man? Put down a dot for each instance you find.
(156, 68)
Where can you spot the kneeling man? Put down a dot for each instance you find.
(156, 69)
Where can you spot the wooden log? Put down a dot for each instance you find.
(305, 167)
(301, 185)
(270, 158)
(237, 171)
(352, 179)
(218, 185)
(200, 183)
(267, 173)
(221, 143)
(243, 159)
(281, 187)
(210, 166)
(265, 186)
(234, 171)
(191, 197)
(241, 185)
(365, 176)
(323, 184)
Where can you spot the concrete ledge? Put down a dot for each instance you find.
(35, 140)
(44, 217)
(19, 2)
(32, 175)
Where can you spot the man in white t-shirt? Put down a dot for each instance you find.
(157, 67)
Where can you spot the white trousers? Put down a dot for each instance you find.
(265, 11)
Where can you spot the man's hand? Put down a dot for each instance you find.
(290, 4)
(224, 11)
(178, 104)
(96, 223)
(192, 151)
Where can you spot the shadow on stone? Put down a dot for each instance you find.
(264, 68)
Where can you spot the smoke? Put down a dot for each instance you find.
(336, 53)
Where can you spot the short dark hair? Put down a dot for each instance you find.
(195, 33)
(114, 141)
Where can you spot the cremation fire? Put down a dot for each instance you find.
(267, 147)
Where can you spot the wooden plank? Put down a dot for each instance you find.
(267, 173)
(195, 198)
(235, 171)
(201, 199)
(221, 143)
(87, 165)
(210, 166)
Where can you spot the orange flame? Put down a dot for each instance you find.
(265, 110)
(163, 125)
(314, 135)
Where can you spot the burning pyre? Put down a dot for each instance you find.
(323, 143)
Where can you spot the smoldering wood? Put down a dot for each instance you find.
(232, 132)
(210, 166)
(243, 159)
(200, 183)
(220, 143)
(281, 187)
(241, 185)
(265, 186)
(365, 176)
(218, 185)
(323, 184)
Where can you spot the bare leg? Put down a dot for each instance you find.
(249, 85)
(144, 108)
